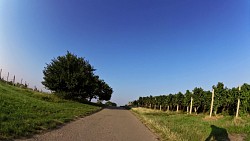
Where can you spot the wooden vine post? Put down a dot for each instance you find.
(191, 105)
(155, 104)
(238, 105)
(212, 103)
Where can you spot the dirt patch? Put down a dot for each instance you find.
(239, 121)
(236, 137)
(208, 118)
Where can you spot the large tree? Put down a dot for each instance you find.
(72, 77)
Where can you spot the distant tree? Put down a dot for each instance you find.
(187, 99)
(147, 102)
(134, 103)
(206, 102)
(109, 103)
(232, 100)
(141, 101)
(219, 96)
(244, 96)
(151, 101)
(198, 96)
(161, 101)
(171, 100)
(179, 100)
(99, 102)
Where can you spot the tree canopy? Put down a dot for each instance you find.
(72, 77)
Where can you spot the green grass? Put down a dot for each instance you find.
(24, 112)
(182, 127)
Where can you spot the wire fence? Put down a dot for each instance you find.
(12, 80)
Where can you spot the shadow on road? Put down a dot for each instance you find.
(115, 108)
(218, 134)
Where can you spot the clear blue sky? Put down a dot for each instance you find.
(139, 47)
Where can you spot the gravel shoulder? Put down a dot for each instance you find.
(110, 124)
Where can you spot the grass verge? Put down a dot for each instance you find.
(24, 112)
(182, 127)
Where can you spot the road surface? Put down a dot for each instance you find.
(110, 124)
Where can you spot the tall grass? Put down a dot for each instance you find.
(24, 112)
(182, 127)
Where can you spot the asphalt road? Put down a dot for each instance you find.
(110, 124)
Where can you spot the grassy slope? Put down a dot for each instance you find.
(180, 127)
(24, 112)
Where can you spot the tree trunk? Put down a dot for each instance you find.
(177, 108)
(204, 109)
(223, 110)
(195, 110)
(160, 107)
(155, 107)
(150, 106)
(187, 109)
(168, 108)
(215, 112)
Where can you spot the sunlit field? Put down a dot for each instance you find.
(24, 112)
(174, 126)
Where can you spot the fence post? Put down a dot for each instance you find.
(14, 80)
(212, 103)
(7, 77)
(191, 106)
(238, 104)
(1, 74)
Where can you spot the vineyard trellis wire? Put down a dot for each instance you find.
(11, 79)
